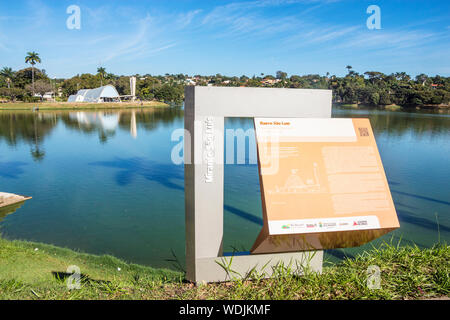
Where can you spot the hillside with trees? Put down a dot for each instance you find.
(370, 88)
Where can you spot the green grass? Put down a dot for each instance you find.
(26, 273)
(406, 273)
(78, 106)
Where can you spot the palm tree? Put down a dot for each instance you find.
(102, 72)
(8, 73)
(32, 58)
(37, 153)
(349, 68)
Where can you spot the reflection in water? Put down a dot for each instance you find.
(165, 174)
(133, 127)
(8, 210)
(103, 120)
(11, 169)
(244, 215)
(411, 217)
(421, 197)
(29, 127)
(34, 127)
(106, 123)
(399, 123)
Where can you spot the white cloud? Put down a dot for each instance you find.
(391, 40)
(140, 42)
(185, 19)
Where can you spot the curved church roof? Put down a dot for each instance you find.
(95, 95)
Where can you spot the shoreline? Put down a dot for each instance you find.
(30, 270)
(57, 106)
(391, 107)
(79, 106)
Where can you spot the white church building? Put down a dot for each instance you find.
(102, 94)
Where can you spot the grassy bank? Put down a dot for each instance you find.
(78, 106)
(36, 271)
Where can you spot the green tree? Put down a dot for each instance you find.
(169, 93)
(32, 58)
(101, 71)
(349, 67)
(385, 99)
(25, 76)
(421, 78)
(41, 87)
(12, 93)
(8, 74)
(122, 85)
(295, 78)
(243, 78)
(374, 76)
(281, 75)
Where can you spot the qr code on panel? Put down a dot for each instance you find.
(363, 132)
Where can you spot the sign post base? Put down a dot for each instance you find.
(227, 268)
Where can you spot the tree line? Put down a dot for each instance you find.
(369, 88)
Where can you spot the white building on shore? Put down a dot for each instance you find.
(102, 94)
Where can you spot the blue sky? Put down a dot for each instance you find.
(228, 37)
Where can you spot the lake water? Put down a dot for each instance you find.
(103, 182)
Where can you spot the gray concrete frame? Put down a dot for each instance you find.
(205, 110)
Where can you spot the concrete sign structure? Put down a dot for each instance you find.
(205, 110)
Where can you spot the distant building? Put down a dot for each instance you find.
(48, 96)
(133, 88)
(267, 81)
(102, 94)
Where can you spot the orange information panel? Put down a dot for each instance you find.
(323, 185)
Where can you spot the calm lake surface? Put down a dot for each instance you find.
(103, 182)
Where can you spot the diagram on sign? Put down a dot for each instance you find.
(298, 182)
